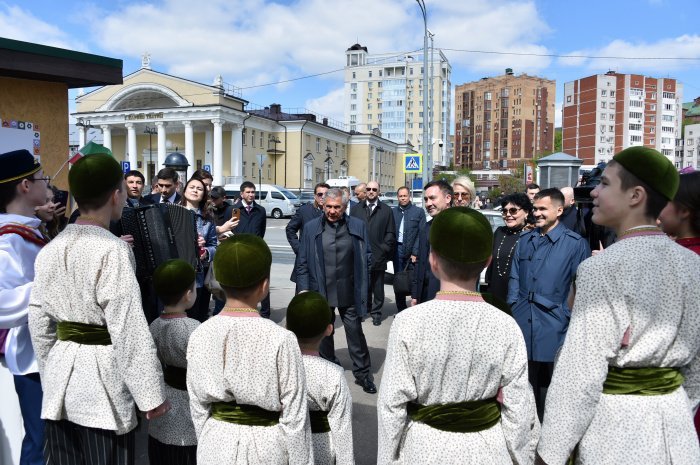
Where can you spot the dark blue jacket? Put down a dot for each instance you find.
(380, 230)
(540, 278)
(253, 223)
(425, 285)
(413, 221)
(310, 264)
(155, 198)
(304, 214)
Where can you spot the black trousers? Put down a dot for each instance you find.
(200, 310)
(540, 375)
(399, 264)
(376, 293)
(357, 344)
(166, 454)
(69, 444)
(265, 306)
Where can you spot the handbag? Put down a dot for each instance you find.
(403, 280)
(213, 285)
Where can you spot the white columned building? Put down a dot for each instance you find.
(131, 144)
(189, 147)
(107, 136)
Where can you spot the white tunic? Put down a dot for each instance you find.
(171, 335)
(651, 286)
(446, 351)
(328, 392)
(86, 275)
(249, 360)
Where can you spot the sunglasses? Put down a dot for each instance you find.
(462, 195)
(319, 194)
(373, 189)
(510, 211)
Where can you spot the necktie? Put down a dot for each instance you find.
(248, 208)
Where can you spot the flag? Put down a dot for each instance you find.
(72, 160)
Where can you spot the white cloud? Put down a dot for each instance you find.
(685, 46)
(19, 24)
(330, 105)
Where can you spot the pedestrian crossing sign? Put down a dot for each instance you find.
(412, 163)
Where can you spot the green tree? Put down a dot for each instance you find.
(557, 140)
(509, 184)
(449, 177)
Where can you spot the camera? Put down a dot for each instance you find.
(589, 179)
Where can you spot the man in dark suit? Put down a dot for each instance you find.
(333, 260)
(382, 238)
(167, 184)
(408, 219)
(437, 196)
(304, 214)
(253, 220)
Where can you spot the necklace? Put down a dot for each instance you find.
(498, 256)
(239, 310)
(645, 230)
(173, 314)
(459, 293)
(89, 219)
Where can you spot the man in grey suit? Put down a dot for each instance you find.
(333, 260)
(382, 237)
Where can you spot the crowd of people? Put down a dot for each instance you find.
(569, 354)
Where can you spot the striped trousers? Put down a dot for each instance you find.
(66, 443)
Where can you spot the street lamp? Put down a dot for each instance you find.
(261, 160)
(426, 124)
(150, 132)
(329, 162)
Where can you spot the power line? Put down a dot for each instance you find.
(555, 55)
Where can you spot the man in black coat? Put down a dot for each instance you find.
(304, 214)
(167, 184)
(253, 220)
(408, 219)
(437, 196)
(382, 238)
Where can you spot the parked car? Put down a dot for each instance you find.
(306, 197)
(277, 201)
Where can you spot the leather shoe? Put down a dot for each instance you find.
(376, 320)
(367, 385)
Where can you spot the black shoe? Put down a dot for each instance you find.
(367, 385)
(376, 320)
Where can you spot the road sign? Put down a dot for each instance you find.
(126, 166)
(207, 168)
(413, 163)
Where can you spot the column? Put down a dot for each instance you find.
(161, 144)
(107, 137)
(81, 136)
(237, 154)
(131, 150)
(189, 147)
(218, 168)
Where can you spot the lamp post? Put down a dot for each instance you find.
(261, 160)
(426, 119)
(150, 132)
(329, 162)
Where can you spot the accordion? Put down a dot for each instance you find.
(161, 232)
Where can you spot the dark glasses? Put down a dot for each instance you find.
(510, 211)
(319, 194)
(461, 195)
(373, 189)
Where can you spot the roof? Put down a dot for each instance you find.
(357, 47)
(26, 60)
(559, 156)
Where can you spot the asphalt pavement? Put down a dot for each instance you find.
(364, 418)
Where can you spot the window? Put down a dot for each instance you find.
(636, 103)
(380, 73)
(410, 71)
(602, 128)
(353, 87)
(652, 107)
(611, 128)
(635, 127)
(652, 130)
(369, 117)
(612, 117)
(353, 107)
(252, 138)
(612, 105)
(669, 95)
(635, 114)
(668, 106)
(318, 145)
(666, 117)
(612, 93)
(603, 105)
(602, 138)
(244, 133)
(636, 138)
(602, 116)
(369, 95)
(690, 141)
(603, 93)
(262, 136)
(652, 118)
(353, 119)
(652, 95)
(568, 99)
(370, 73)
(353, 74)
(487, 95)
(369, 85)
(353, 96)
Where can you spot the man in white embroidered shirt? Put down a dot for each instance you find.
(96, 355)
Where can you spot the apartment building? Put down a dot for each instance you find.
(606, 113)
(385, 92)
(503, 121)
(691, 146)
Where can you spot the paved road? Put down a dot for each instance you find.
(364, 405)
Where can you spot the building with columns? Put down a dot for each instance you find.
(153, 114)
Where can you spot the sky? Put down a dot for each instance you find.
(257, 44)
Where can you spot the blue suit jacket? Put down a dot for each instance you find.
(413, 221)
(253, 223)
(540, 278)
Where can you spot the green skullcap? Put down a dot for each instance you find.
(652, 167)
(308, 314)
(242, 261)
(94, 176)
(462, 235)
(173, 277)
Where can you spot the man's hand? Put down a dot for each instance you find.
(128, 238)
(600, 249)
(414, 302)
(161, 410)
(413, 259)
(201, 241)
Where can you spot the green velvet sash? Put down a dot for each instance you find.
(460, 417)
(242, 414)
(642, 381)
(319, 421)
(175, 377)
(91, 335)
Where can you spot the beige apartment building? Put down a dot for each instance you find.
(153, 114)
(503, 121)
(385, 92)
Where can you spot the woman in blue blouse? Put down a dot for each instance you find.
(195, 197)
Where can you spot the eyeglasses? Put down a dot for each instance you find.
(510, 211)
(47, 179)
(373, 189)
(460, 195)
(319, 194)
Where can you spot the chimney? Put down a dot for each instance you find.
(325, 121)
(276, 108)
(509, 71)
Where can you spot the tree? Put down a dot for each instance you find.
(557, 140)
(510, 184)
(449, 177)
